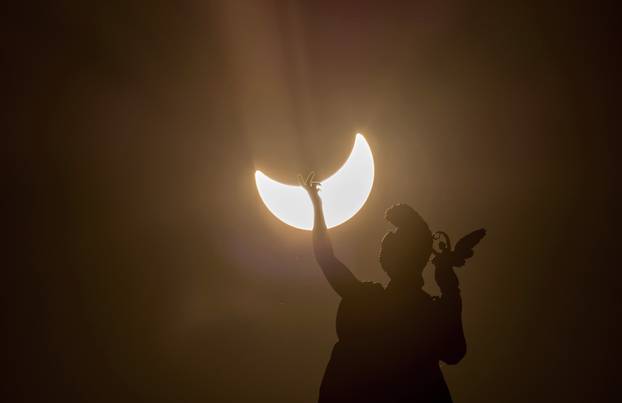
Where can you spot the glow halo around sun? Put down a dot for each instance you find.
(343, 194)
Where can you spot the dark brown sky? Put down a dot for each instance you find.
(151, 272)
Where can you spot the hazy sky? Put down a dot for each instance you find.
(151, 270)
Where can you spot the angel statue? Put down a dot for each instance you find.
(391, 340)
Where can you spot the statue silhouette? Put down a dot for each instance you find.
(392, 339)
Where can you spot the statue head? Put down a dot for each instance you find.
(405, 251)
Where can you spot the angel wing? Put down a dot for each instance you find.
(464, 247)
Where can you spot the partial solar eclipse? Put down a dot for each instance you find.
(343, 194)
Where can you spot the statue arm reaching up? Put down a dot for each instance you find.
(338, 275)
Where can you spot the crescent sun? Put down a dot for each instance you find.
(343, 194)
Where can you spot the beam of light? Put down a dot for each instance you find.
(343, 194)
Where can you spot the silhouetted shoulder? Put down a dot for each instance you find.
(362, 289)
(370, 287)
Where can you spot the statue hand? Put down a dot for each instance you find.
(311, 187)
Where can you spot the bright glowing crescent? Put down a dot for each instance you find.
(343, 194)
